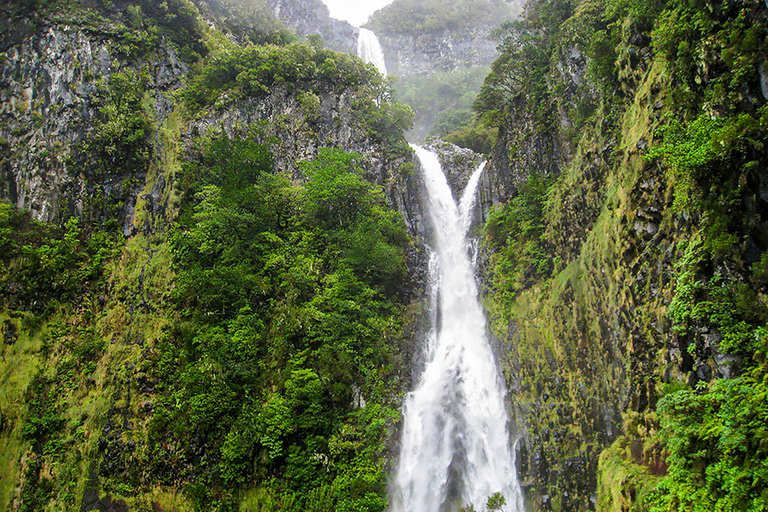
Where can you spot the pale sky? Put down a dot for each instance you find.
(355, 12)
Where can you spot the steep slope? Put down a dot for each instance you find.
(624, 269)
(311, 17)
(420, 38)
(200, 326)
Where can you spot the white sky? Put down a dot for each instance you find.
(355, 12)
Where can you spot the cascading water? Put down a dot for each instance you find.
(455, 447)
(369, 49)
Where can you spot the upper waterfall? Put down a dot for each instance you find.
(369, 49)
(455, 447)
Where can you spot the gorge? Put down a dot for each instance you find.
(224, 270)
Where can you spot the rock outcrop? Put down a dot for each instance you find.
(311, 17)
(444, 50)
(52, 84)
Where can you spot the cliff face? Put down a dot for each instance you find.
(310, 17)
(591, 263)
(428, 37)
(54, 82)
(102, 122)
(440, 50)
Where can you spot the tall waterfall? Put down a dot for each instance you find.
(369, 49)
(455, 446)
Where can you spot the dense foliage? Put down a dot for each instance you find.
(43, 266)
(235, 72)
(289, 292)
(240, 348)
(718, 444)
(518, 262)
(250, 21)
(136, 28)
(680, 83)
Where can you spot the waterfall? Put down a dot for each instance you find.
(369, 49)
(455, 447)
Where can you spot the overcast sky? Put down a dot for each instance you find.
(354, 11)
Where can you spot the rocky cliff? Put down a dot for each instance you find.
(601, 267)
(311, 17)
(57, 80)
(421, 38)
(54, 84)
(124, 127)
(439, 50)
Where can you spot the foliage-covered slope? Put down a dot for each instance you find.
(626, 272)
(222, 324)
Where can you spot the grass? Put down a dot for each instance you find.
(19, 364)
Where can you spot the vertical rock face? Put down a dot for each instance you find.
(333, 124)
(49, 99)
(310, 17)
(443, 50)
(589, 318)
(52, 87)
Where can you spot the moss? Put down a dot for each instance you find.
(649, 289)
(625, 480)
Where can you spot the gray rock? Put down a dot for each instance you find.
(49, 105)
(310, 17)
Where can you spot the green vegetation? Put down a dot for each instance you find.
(134, 27)
(250, 21)
(477, 136)
(442, 101)
(239, 72)
(45, 266)
(137, 28)
(633, 268)
(416, 17)
(514, 232)
(716, 438)
(240, 350)
(48, 273)
(288, 291)
(244, 351)
(118, 148)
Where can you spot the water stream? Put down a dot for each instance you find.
(455, 445)
(369, 49)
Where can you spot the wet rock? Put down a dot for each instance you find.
(10, 332)
(458, 163)
(49, 104)
(104, 504)
(310, 17)
(427, 53)
(90, 497)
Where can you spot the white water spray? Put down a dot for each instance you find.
(455, 446)
(369, 49)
